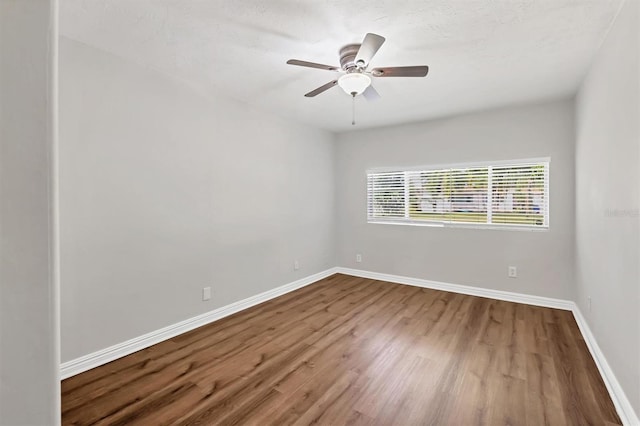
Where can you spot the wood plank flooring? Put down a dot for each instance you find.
(349, 350)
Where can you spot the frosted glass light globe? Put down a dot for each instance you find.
(354, 83)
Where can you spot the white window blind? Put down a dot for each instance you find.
(511, 194)
(387, 195)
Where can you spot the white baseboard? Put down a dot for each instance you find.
(619, 398)
(623, 405)
(508, 296)
(95, 359)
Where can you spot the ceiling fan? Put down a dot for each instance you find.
(354, 63)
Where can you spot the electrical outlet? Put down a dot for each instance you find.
(358, 258)
(296, 265)
(206, 293)
(589, 303)
(513, 272)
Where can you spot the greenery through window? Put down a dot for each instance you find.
(512, 194)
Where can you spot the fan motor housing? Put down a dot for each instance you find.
(348, 57)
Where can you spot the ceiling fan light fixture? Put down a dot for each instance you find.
(354, 83)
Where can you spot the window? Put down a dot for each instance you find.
(513, 194)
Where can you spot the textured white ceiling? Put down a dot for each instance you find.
(481, 53)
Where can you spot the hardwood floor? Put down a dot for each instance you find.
(349, 350)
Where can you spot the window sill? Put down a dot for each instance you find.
(462, 225)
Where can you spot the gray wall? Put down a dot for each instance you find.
(607, 200)
(164, 191)
(29, 384)
(477, 257)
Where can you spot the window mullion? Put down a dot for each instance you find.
(490, 194)
(406, 195)
(449, 211)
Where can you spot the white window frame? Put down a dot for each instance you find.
(448, 224)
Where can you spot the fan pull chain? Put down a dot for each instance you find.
(353, 108)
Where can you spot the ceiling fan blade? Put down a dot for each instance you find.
(321, 89)
(312, 65)
(371, 94)
(417, 71)
(368, 48)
